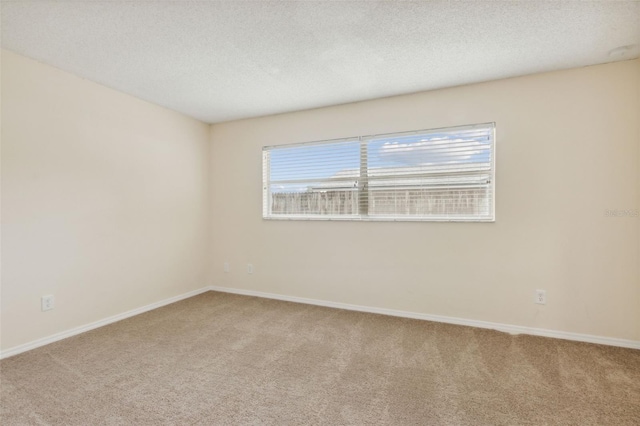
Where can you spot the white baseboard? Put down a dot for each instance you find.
(512, 329)
(81, 329)
(507, 328)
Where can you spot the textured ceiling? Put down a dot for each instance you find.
(218, 61)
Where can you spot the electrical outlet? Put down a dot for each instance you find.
(47, 303)
(541, 297)
(226, 266)
(249, 268)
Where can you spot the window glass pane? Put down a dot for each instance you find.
(315, 179)
(431, 174)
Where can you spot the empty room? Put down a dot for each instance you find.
(320, 213)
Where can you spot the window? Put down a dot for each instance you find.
(432, 175)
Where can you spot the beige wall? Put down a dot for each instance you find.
(105, 201)
(567, 150)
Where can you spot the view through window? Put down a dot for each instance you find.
(440, 174)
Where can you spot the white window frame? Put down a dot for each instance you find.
(363, 181)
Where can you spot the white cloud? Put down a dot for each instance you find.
(433, 151)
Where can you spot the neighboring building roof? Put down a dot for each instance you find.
(411, 176)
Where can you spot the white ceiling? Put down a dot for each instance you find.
(219, 61)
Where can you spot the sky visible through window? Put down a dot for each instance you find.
(327, 160)
(314, 161)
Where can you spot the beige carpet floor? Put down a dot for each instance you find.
(221, 359)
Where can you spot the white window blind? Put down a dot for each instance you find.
(440, 175)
